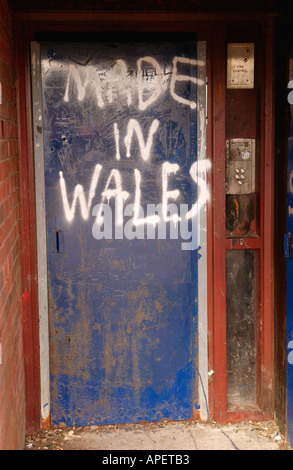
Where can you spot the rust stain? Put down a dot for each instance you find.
(132, 338)
(119, 265)
(98, 328)
(46, 423)
(159, 307)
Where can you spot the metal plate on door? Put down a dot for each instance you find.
(240, 166)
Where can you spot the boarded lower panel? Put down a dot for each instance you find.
(241, 327)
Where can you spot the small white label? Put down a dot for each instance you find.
(240, 66)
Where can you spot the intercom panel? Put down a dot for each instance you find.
(240, 166)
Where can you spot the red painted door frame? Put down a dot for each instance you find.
(210, 28)
(217, 315)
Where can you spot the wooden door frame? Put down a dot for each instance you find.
(210, 28)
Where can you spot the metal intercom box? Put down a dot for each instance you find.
(240, 166)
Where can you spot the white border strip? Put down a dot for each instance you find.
(41, 227)
(202, 262)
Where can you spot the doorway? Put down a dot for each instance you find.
(138, 169)
(121, 176)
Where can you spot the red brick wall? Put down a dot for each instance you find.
(12, 397)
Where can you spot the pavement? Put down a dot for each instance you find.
(183, 436)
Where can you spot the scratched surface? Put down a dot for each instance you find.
(123, 310)
(241, 278)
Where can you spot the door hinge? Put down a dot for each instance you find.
(288, 245)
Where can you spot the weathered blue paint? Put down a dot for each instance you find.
(123, 312)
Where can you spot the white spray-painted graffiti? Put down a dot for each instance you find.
(182, 220)
(120, 81)
(290, 354)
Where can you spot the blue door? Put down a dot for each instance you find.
(122, 204)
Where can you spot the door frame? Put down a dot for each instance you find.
(31, 26)
(221, 243)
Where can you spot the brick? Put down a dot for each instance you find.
(12, 390)
(9, 129)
